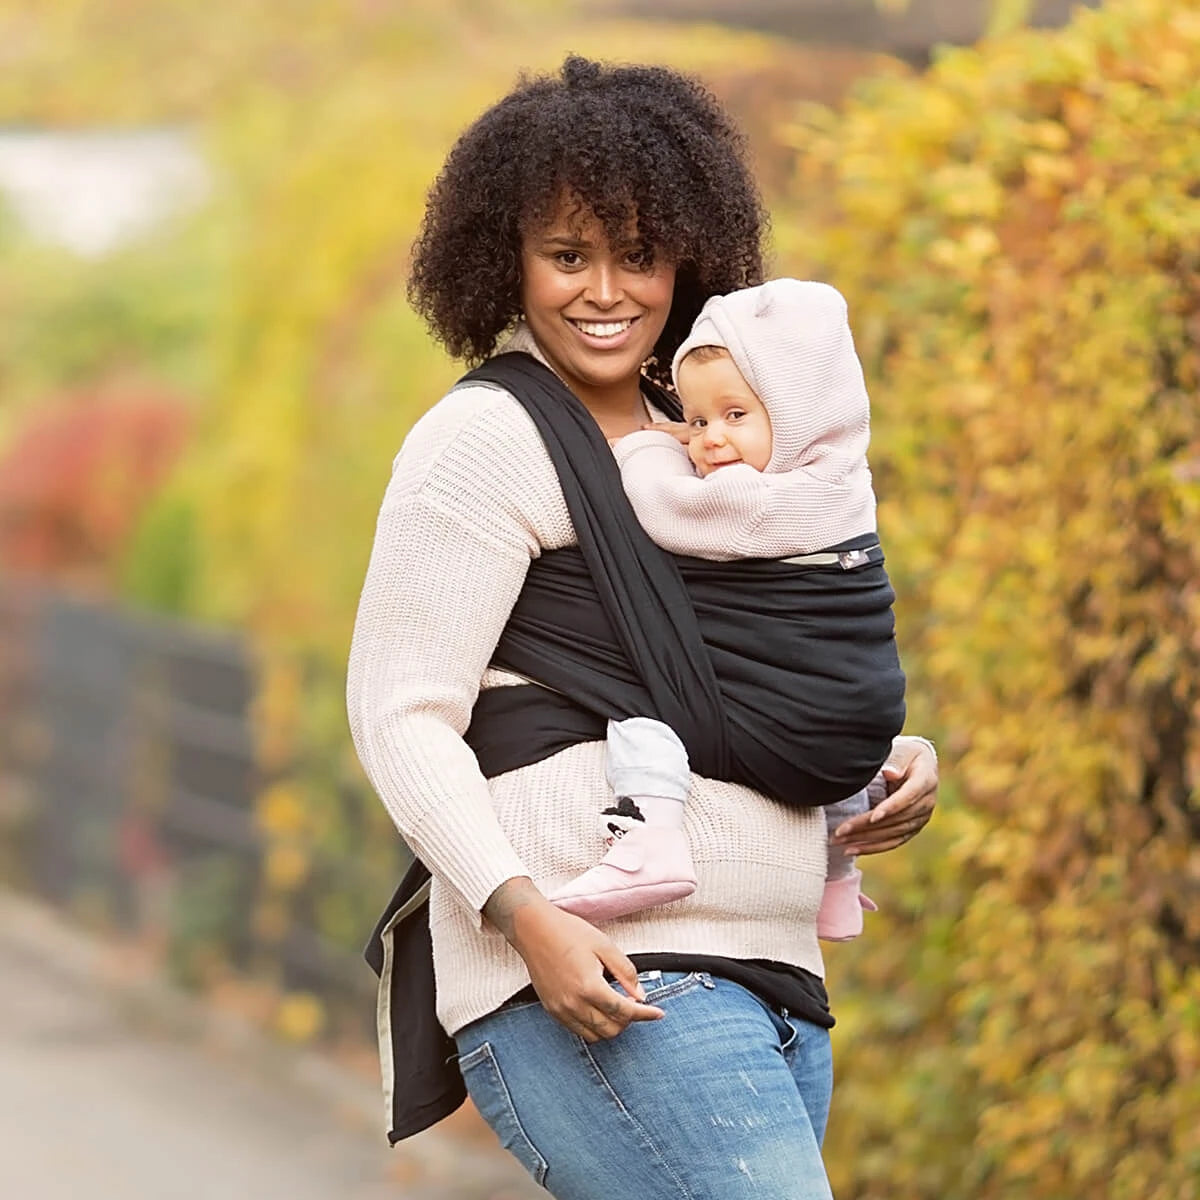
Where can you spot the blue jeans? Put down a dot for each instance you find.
(723, 1099)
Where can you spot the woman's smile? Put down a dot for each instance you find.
(604, 331)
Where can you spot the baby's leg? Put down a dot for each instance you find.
(840, 918)
(648, 861)
(647, 769)
(839, 864)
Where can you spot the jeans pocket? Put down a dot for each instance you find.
(491, 1096)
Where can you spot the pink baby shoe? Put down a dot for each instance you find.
(840, 918)
(650, 865)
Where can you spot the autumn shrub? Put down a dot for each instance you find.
(1018, 233)
(77, 475)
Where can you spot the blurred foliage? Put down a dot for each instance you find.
(1019, 236)
(75, 479)
(1017, 232)
(1003, 15)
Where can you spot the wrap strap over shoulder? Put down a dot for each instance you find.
(667, 673)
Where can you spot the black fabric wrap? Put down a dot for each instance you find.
(780, 676)
(641, 625)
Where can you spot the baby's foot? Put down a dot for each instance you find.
(646, 866)
(840, 918)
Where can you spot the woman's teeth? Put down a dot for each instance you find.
(602, 329)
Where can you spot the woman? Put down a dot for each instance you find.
(588, 217)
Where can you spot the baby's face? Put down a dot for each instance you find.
(728, 422)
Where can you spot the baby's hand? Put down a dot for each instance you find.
(680, 430)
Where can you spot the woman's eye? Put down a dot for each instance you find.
(638, 258)
(568, 258)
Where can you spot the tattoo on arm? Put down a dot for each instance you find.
(507, 900)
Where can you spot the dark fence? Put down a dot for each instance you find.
(128, 784)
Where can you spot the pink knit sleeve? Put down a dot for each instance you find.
(803, 513)
(684, 514)
(738, 512)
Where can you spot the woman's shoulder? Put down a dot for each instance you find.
(471, 419)
(476, 417)
(477, 452)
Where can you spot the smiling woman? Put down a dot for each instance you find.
(660, 167)
(579, 226)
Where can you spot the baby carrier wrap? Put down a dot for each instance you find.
(776, 674)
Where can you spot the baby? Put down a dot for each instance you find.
(768, 463)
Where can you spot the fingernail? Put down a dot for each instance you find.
(841, 831)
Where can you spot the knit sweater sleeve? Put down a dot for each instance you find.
(681, 512)
(455, 536)
(738, 512)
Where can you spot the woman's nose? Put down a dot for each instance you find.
(604, 288)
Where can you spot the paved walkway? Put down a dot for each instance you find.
(101, 1101)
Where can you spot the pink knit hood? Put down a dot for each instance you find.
(791, 341)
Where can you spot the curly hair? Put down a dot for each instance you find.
(635, 144)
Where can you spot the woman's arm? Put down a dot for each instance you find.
(456, 532)
(437, 594)
(911, 777)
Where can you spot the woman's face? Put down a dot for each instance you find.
(595, 309)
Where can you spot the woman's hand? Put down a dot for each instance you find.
(911, 777)
(567, 958)
(680, 430)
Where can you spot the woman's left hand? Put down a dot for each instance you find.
(911, 776)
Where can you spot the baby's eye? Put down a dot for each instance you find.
(696, 424)
(736, 414)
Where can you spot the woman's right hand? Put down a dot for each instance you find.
(567, 958)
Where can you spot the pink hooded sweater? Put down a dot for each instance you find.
(791, 341)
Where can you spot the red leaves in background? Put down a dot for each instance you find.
(76, 478)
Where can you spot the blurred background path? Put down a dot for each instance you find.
(106, 1093)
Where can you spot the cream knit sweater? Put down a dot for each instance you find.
(473, 499)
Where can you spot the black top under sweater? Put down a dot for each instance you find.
(780, 985)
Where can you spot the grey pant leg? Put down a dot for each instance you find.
(839, 864)
(645, 758)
